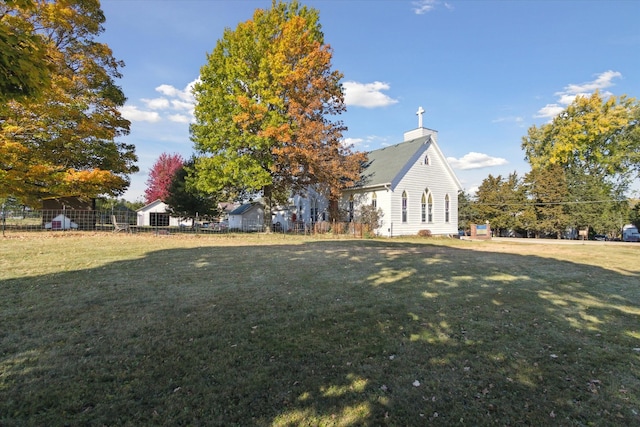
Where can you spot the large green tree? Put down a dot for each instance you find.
(501, 201)
(264, 107)
(467, 211)
(599, 136)
(595, 203)
(596, 142)
(63, 142)
(548, 193)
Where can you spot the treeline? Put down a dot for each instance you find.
(529, 206)
(583, 165)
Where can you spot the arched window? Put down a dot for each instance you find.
(404, 206)
(351, 213)
(314, 209)
(446, 208)
(430, 208)
(427, 160)
(423, 208)
(374, 200)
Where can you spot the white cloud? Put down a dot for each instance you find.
(134, 114)
(180, 102)
(181, 105)
(566, 99)
(473, 160)
(424, 6)
(602, 81)
(172, 92)
(179, 118)
(549, 111)
(473, 191)
(510, 119)
(571, 91)
(420, 7)
(156, 103)
(352, 142)
(368, 95)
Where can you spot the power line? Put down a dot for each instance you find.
(549, 203)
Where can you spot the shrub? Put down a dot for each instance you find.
(370, 216)
(424, 233)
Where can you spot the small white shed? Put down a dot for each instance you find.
(155, 215)
(247, 217)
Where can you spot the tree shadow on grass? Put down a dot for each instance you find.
(322, 333)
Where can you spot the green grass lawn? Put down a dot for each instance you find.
(104, 329)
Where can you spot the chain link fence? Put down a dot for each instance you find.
(61, 220)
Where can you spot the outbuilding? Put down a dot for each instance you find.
(155, 215)
(247, 217)
(61, 222)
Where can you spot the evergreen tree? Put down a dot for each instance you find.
(467, 211)
(185, 201)
(548, 192)
(501, 201)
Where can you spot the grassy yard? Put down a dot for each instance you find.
(104, 329)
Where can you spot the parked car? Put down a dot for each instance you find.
(220, 226)
(630, 233)
(600, 237)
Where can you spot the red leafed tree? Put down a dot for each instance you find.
(161, 175)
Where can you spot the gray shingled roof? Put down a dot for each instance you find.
(386, 163)
(242, 208)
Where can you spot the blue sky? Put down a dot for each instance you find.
(483, 71)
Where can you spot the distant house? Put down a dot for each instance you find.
(225, 210)
(247, 217)
(155, 215)
(411, 182)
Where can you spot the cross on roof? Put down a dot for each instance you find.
(420, 113)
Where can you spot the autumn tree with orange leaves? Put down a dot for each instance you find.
(264, 110)
(57, 136)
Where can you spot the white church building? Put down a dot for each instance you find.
(410, 182)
